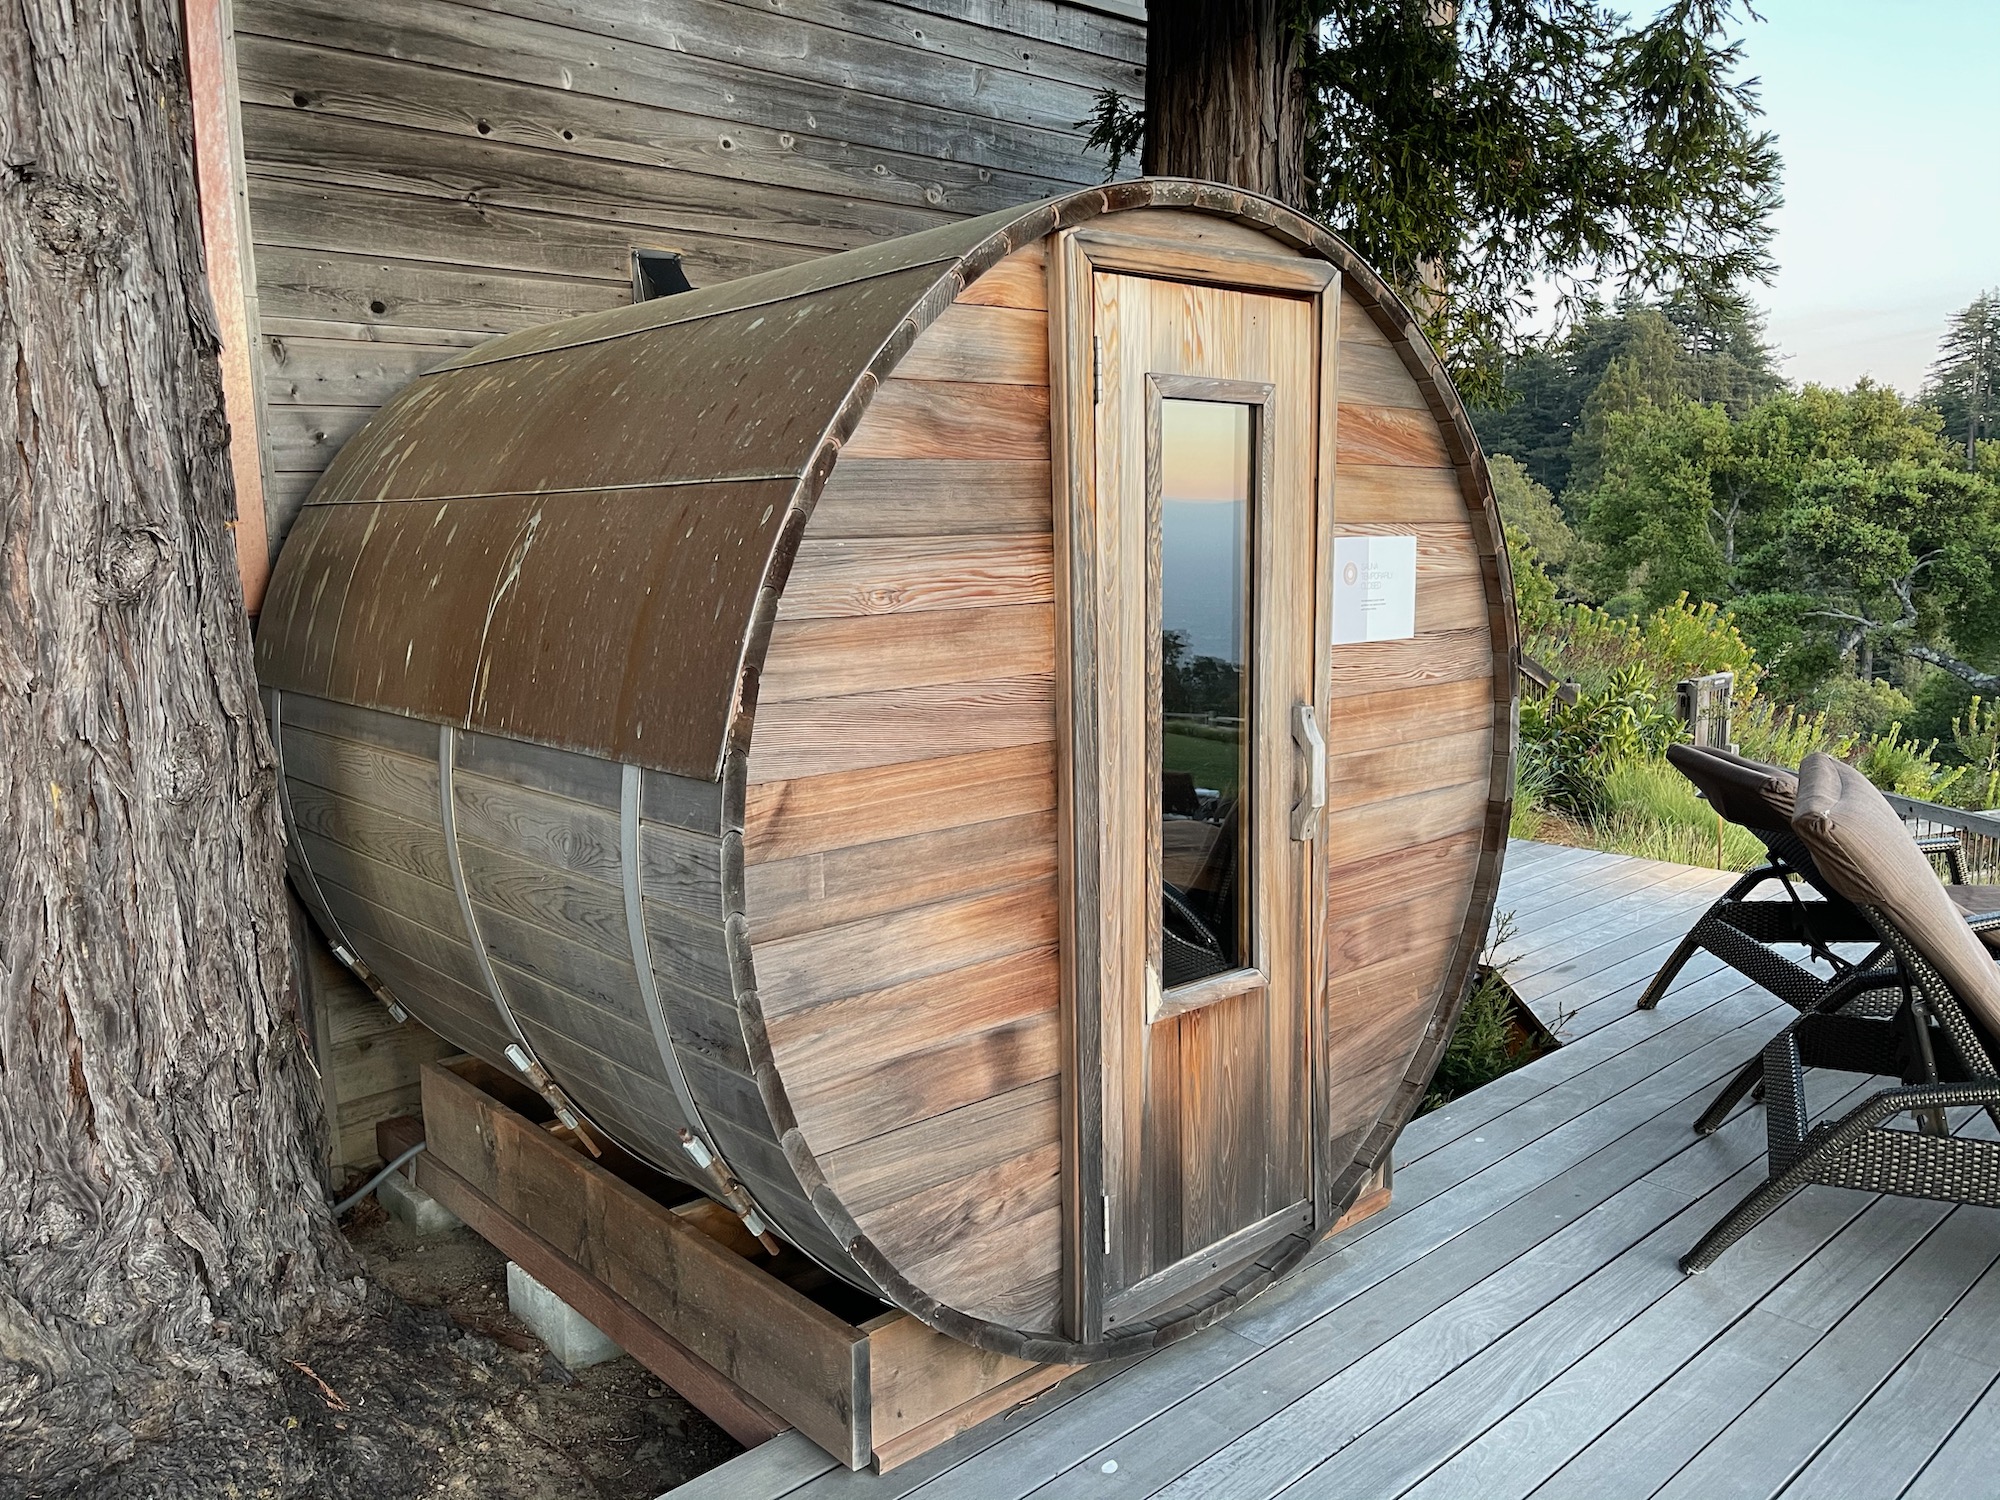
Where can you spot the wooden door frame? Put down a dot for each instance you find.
(1076, 255)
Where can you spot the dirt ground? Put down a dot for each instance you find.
(436, 1392)
(609, 1432)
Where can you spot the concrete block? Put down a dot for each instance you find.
(571, 1337)
(410, 1205)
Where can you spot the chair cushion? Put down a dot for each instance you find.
(1866, 853)
(1746, 792)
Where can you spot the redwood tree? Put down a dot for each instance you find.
(1476, 152)
(1226, 95)
(161, 1218)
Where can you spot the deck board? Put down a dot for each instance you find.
(1514, 1324)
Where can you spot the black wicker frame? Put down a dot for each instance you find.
(1944, 1061)
(1745, 935)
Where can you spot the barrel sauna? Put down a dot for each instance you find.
(873, 739)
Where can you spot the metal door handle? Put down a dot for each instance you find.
(1306, 735)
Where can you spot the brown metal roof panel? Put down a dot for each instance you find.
(748, 395)
(296, 630)
(410, 640)
(621, 629)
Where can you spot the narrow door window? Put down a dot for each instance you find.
(1206, 543)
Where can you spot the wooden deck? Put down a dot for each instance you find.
(1514, 1324)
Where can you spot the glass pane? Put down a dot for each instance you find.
(1205, 540)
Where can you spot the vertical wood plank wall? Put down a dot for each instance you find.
(424, 174)
(1409, 737)
(900, 841)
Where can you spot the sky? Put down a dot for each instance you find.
(1888, 116)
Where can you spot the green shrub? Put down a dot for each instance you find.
(1653, 812)
(1866, 709)
(1679, 641)
(1495, 1034)
(1784, 736)
(1899, 765)
(1570, 748)
(1975, 735)
(1530, 793)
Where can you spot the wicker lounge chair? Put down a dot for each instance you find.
(1747, 933)
(1744, 933)
(1939, 1038)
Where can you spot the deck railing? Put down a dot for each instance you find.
(1978, 835)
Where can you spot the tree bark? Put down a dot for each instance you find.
(1225, 95)
(1964, 671)
(161, 1216)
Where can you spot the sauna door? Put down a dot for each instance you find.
(1201, 566)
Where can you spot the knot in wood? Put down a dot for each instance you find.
(212, 428)
(260, 786)
(77, 223)
(189, 765)
(135, 562)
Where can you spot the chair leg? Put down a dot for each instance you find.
(1791, 1158)
(1689, 946)
(1755, 1208)
(1749, 1077)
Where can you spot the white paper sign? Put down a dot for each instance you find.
(1374, 588)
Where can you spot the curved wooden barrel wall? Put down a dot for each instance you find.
(810, 914)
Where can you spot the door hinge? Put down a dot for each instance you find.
(1096, 371)
(1107, 1223)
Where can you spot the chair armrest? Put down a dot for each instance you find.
(1948, 845)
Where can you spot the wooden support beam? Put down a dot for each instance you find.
(225, 236)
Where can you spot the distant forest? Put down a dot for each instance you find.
(1655, 450)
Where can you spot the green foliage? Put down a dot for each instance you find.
(1116, 127)
(1656, 519)
(1666, 647)
(1482, 1044)
(1525, 142)
(1651, 811)
(1964, 384)
(1572, 748)
(1975, 735)
(1534, 591)
(1191, 684)
(1560, 395)
(1783, 736)
(1527, 506)
(1494, 1034)
(1525, 819)
(1900, 765)
(1839, 528)
(1865, 709)
(1480, 152)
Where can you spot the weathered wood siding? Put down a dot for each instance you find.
(370, 1064)
(524, 918)
(1409, 740)
(424, 174)
(900, 834)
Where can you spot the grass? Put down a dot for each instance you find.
(1655, 814)
(1651, 812)
(1215, 763)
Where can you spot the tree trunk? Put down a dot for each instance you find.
(161, 1216)
(1225, 95)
